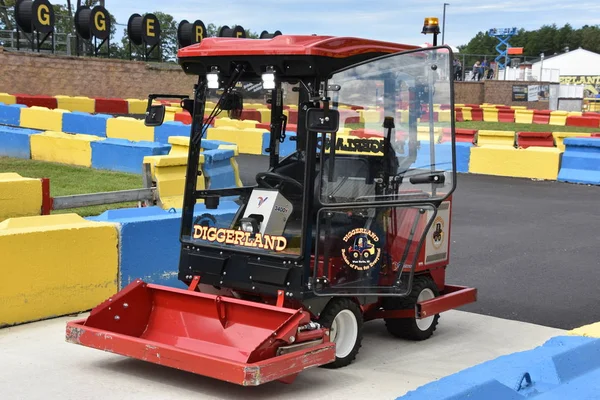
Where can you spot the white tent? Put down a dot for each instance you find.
(578, 62)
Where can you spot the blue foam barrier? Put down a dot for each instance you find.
(285, 149)
(565, 367)
(170, 128)
(15, 142)
(149, 245)
(85, 123)
(581, 161)
(124, 155)
(217, 167)
(10, 114)
(208, 144)
(443, 156)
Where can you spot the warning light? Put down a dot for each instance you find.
(431, 25)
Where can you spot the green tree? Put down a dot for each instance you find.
(7, 15)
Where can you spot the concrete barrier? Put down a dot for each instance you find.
(77, 103)
(63, 148)
(19, 196)
(581, 161)
(564, 367)
(535, 139)
(558, 118)
(285, 149)
(6, 98)
(85, 123)
(37, 101)
(499, 138)
(42, 118)
(500, 160)
(124, 155)
(149, 244)
(559, 137)
(10, 114)
(170, 128)
(15, 142)
(111, 106)
(130, 129)
(55, 265)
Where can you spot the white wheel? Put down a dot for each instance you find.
(344, 332)
(425, 323)
(344, 320)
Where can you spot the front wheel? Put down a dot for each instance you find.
(344, 320)
(424, 288)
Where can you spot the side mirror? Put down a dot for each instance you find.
(319, 122)
(155, 115)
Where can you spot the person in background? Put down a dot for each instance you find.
(476, 71)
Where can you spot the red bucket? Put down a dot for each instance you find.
(233, 340)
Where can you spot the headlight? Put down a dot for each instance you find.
(249, 225)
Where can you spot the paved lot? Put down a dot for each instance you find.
(531, 248)
(38, 364)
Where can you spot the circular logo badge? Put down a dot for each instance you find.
(437, 238)
(361, 251)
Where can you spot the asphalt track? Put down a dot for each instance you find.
(531, 248)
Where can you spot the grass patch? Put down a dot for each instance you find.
(69, 180)
(508, 126)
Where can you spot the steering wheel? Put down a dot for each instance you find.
(261, 179)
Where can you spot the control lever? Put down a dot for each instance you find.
(437, 177)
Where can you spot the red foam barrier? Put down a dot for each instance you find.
(366, 133)
(444, 107)
(588, 122)
(293, 117)
(37, 101)
(462, 135)
(251, 115)
(425, 116)
(477, 114)
(503, 108)
(506, 115)
(111, 106)
(596, 135)
(535, 139)
(458, 114)
(541, 117)
(184, 117)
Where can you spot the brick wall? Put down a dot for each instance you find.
(493, 92)
(43, 74)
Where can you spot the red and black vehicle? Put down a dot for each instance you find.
(277, 289)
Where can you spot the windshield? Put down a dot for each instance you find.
(268, 218)
(394, 140)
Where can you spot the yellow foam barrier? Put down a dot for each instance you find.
(170, 113)
(490, 114)
(559, 137)
(444, 116)
(54, 265)
(236, 123)
(370, 116)
(249, 141)
(19, 196)
(7, 98)
(518, 107)
(501, 138)
(42, 118)
(467, 114)
(63, 148)
(129, 128)
(265, 115)
(78, 103)
(137, 106)
(591, 330)
(524, 116)
(423, 133)
(558, 118)
(575, 113)
(169, 174)
(533, 162)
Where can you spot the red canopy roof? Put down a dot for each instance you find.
(324, 46)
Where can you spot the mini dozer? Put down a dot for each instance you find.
(353, 225)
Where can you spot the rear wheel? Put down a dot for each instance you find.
(344, 320)
(424, 288)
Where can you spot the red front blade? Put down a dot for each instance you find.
(224, 338)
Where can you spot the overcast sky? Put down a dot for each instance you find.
(396, 21)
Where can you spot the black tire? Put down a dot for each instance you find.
(408, 328)
(329, 314)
